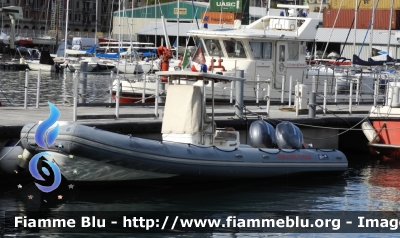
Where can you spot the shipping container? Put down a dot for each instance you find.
(226, 6)
(220, 17)
(365, 4)
(345, 18)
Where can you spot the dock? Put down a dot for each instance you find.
(141, 120)
(13, 66)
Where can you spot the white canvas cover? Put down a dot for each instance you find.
(182, 113)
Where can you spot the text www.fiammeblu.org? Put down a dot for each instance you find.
(234, 222)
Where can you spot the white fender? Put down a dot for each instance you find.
(369, 132)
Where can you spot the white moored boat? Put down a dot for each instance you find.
(269, 49)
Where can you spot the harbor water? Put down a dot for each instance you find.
(54, 87)
(369, 184)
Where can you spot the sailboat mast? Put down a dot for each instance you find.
(47, 17)
(390, 28)
(177, 36)
(57, 19)
(155, 20)
(66, 30)
(372, 28)
(355, 26)
(95, 34)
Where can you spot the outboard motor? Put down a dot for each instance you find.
(288, 136)
(262, 135)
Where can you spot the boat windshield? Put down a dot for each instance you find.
(234, 48)
(213, 47)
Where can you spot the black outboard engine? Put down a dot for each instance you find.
(288, 136)
(262, 135)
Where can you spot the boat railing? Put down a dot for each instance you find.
(348, 90)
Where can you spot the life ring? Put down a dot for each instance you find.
(281, 67)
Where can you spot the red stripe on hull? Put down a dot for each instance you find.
(390, 135)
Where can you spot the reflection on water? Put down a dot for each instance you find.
(54, 87)
(368, 185)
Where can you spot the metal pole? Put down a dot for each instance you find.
(313, 84)
(290, 91)
(74, 118)
(268, 95)
(156, 99)
(83, 81)
(231, 96)
(376, 92)
(111, 85)
(336, 89)
(312, 104)
(357, 89)
(117, 97)
(203, 112)
(26, 88)
(212, 112)
(297, 97)
(325, 89)
(258, 88)
(38, 90)
(144, 89)
(239, 93)
(283, 88)
(350, 96)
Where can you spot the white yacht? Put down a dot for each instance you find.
(272, 49)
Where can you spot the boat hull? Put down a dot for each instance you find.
(98, 154)
(43, 67)
(386, 122)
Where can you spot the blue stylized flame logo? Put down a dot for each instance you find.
(50, 138)
(41, 130)
(35, 173)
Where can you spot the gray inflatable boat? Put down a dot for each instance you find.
(192, 146)
(88, 154)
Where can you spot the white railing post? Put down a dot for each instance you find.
(283, 88)
(74, 114)
(350, 96)
(313, 88)
(257, 88)
(325, 89)
(268, 95)
(357, 89)
(156, 99)
(376, 90)
(144, 89)
(38, 90)
(26, 88)
(117, 97)
(290, 91)
(111, 85)
(231, 96)
(336, 89)
(297, 99)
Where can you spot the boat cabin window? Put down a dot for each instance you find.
(234, 49)
(213, 47)
(293, 50)
(261, 50)
(281, 53)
